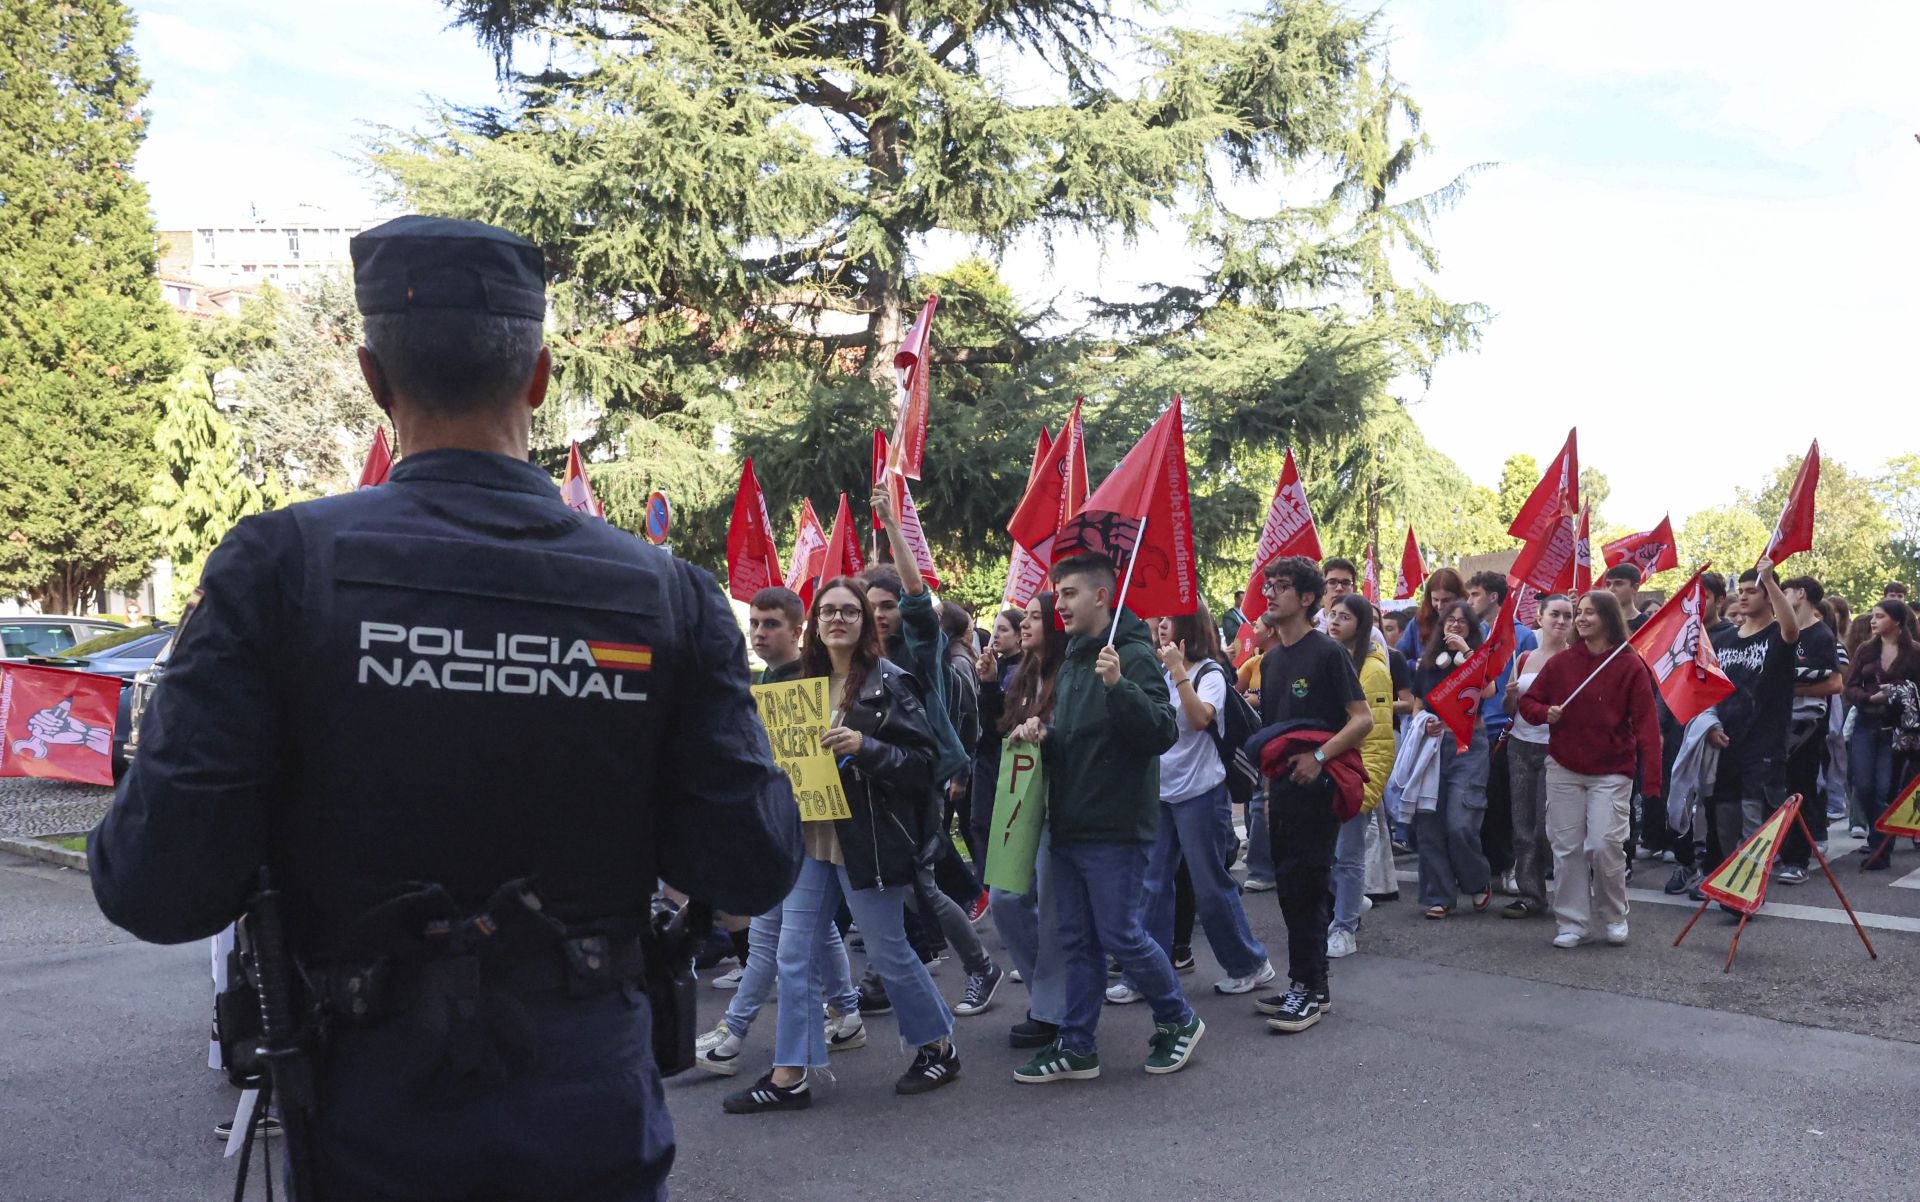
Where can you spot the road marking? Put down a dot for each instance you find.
(1772, 909)
(1909, 881)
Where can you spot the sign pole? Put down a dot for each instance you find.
(1801, 818)
(1127, 581)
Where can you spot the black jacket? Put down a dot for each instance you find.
(889, 781)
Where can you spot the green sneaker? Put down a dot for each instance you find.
(1056, 1063)
(1173, 1044)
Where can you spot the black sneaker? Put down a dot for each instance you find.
(1520, 909)
(1275, 1003)
(981, 987)
(874, 1000)
(1032, 1034)
(765, 1095)
(1299, 1009)
(1791, 874)
(268, 1126)
(1182, 960)
(1678, 880)
(933, 1066)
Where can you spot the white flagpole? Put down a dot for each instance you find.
(1127, 580)
(1591, 675)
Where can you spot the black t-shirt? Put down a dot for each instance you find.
(1636, 622)
(1402, 675)
(1312, 680)
(1755, 716)
(1817, 657)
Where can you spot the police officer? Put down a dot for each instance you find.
(467, 730)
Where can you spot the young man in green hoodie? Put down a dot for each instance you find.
(1112, 719)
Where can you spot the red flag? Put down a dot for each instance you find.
(1503, 635)
(574, 490)
(1583, 554)
(1675, 645)
(843, 546)
(1055, 492)
(1246, 640)
(1548, 563)
(1527, 613)
(809, 553)
(1289, 528)
(1139, 518)
(753, 559)
(912, 366)
(902, 498)
(1457, 698)
(1650, 550)
(1370, 586)
(57, 724)
(379, 461)
(1027, 576)
(1557, 496)
(1413, 569)
(1794, 532)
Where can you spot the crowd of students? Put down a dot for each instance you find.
(1573, 769)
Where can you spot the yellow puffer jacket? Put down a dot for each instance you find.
(1376, 684)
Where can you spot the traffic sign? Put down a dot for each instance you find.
(659, 517)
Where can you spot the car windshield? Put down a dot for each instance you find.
(128, 642)
(42, 637)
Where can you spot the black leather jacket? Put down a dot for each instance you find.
(889, 783)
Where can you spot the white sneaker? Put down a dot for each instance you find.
(1260, 977)
(1339, 944)
(1256, 885)
(1510, 885)
(1569, 939)
(1617, 934)
(712, 1038)
(730, 979)
(723, 1058)
(1856, 832)
(1366, 903)
(1122, 994)
(1013, 974)
(846, 1032)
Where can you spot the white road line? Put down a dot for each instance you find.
(1909, 881)
(1773, 909)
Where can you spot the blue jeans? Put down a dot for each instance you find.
(800, 1036)
(763, 942)
(1350, 872)
(1098, 887)
(1201, 828)
(1451, 860)
(1259, 843)
(1870, 770)
(1029, 925)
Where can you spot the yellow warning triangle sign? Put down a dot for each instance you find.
(1903, 816)
(1741, 882)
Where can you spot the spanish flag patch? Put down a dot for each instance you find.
(632, 657)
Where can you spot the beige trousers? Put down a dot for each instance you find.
(1587, 818)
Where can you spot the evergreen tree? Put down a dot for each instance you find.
(304, 417)
(87, 347)
(732, 198)
(200, 490)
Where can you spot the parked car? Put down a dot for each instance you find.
(49, 634)
(137, 695)
(123, 651)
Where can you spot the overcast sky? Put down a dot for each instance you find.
(1698, 238)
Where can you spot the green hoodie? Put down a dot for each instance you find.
(1102, 750)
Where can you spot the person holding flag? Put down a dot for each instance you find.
(1452, 861)
(1889, 659)
(1596, 700)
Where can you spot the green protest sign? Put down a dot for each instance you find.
(1019, 817)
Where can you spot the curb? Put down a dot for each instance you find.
(47, 853)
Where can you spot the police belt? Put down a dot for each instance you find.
(510, 946)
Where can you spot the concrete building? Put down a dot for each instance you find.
(288, 249)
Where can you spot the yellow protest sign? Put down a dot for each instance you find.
(1741, 882)
(795, 714)
(1903, 816)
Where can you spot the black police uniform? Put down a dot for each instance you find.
(455, 680)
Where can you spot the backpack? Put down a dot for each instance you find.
(1243, 775)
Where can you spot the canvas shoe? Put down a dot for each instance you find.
(1275, 1003)
(1569, 939)
(1261, 976)
(1791, 874)
(1173, 1044)
(730, 979)
(934, 1065)
(1299, 1009)
(846, 1032)
(765, 1095)
(1056, 1063)
(1122, 994)
(714, 1037)
(1341, 943)
(981, 987)
(721, 1059)
(1257, 885)
(1617, 934)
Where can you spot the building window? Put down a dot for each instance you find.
(206, 244)
(293, 244)
(247, 268)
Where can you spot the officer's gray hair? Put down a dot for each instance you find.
(454, 360)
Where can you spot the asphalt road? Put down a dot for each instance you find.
(1464, 1060)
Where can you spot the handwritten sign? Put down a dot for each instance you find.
(1019, 815)
(795, 714)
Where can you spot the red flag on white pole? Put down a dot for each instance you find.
(809, 553)
(1675, 645)
(902, 498)
(843, 545)
(1794, 531)
(1413, 569)
(1140, 518)
(1556, 497)
(575, 491)
(1027, 576)
(1652, 551)
(912, 368)
(379, 462)
(1055, 492)
(1289, 528)
(753, 559)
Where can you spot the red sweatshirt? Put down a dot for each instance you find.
(1611, 728)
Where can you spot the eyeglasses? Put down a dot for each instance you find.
(1339, 582)
(1279, 586)
(839, 613)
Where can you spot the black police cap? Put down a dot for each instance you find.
(419, 262)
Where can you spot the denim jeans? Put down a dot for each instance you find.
(1029, 925)
(756, 983)
(1259, 842)
(1870, 770)
(1350, 872)
(800, 1036)
(1201, 828)
(1451, 861)
(1098, 888)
